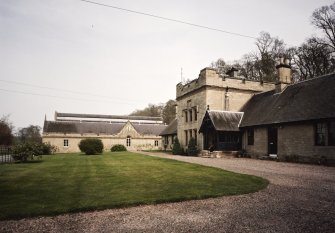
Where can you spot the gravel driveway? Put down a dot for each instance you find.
(300, 198)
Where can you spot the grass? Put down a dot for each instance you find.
(73, 182)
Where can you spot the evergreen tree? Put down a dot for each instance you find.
(177, 149)
(192, 148)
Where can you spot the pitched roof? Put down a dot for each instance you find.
(171, 129)
(222, 120)
(149, 128)
(98, 127)
(307, 100)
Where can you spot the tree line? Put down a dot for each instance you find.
(165, 110)
(30, 134)
(314, 57)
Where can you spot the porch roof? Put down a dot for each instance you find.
(222, 120)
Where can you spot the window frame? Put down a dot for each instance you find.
(250, 136)
(186, 137)
(195, 113)
(128, 141)
(195, 136)
(186, 116)
(66, 143)
(318, 128)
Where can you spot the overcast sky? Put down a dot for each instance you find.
(112, 61)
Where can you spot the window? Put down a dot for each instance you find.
(186, 137)
(66, 142)
(128, 141)
(320, 134)
(195, 136)
(186, 115)
(250, 136)
(156, 143)
(166, 140)
(190, 112)
(195, 113)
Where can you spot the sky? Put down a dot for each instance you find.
(73, 56)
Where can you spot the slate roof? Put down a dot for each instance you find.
(98, 127)
(171, 129)
(223, 120)
(308, 100)
(154, 129)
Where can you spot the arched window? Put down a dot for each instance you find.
(128, 141)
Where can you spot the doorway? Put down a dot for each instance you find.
(272, 140)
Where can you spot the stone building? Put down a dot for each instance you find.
(134, 132)
(296, 122)
(288, 121)
(211, 92)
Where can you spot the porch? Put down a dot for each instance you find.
(221, 132)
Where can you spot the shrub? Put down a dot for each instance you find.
(177, 149)
(49, 149)
(26, 151)
(118, 147)
(91, 146)
(192, 148)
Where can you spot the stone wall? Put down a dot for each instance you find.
(260, 147)
(295, 143)
(299, 141)
(146, 142)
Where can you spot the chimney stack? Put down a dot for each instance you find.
(284, 74)
(233, 72)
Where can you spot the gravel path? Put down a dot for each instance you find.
(300, 198)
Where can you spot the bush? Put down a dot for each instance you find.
(26, 151)
(177, 149)
(91, 146)
(118, 147)
(48, 149)
(192, 148)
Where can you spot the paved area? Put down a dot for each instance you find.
(300, 198)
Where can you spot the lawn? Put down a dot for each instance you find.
(74, 182)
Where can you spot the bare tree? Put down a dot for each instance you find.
(312, 59)
(269, 50)
(260, 64)
(324, 19)
(221, 66)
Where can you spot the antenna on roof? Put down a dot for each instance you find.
(181, 75)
